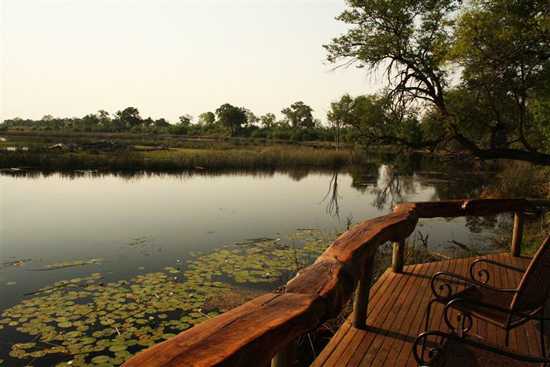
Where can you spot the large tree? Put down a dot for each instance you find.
(268, 120)
(341, 113)
(207, 119)
(299, 115)
(231, 117)
(497, 50)
(185, 120)
(129, 117)
(378, 121)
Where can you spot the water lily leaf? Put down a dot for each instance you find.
(118, 347)
(84, 316)
(101, 359)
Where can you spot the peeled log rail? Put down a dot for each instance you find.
(251, 334)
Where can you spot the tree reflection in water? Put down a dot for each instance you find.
(333, 206)
(396, 180)
(392, 187)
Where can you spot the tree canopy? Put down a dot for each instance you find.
(299, 115)
(228, 119)
(129, 116)
(231, 117)
(207, 118)
(477, 69)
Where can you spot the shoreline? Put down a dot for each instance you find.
(140, 152)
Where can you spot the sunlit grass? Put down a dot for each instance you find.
(264, 157)
(248, 157)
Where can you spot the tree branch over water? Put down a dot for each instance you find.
(477, 73)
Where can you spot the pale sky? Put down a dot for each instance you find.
(170, 57)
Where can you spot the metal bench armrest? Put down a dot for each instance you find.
(442, 285)
(482, 275)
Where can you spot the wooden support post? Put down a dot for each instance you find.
(361, 298)
(517, 234)
(398, 256)
(285, 357)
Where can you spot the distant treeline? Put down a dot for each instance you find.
(297, 124)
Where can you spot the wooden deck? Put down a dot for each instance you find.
(265, 330)
(396, 314)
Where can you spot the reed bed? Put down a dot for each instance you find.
(177, 159)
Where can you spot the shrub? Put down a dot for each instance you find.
(520, 179)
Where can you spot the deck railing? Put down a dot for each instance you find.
(263, 331)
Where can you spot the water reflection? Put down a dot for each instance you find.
(395, 180)
(332, 196)
(137, 223)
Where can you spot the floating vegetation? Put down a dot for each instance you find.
(262, 261)
(252, 241)
(69, 264)
(107, 320)
(85, 321)
(139, 241)
(15, 263)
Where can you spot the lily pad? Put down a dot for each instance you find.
(81, 317)
(117, 347)
(101, 359)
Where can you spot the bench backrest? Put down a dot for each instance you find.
(535, 283)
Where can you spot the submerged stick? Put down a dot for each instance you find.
(463, 246)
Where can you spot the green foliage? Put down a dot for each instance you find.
(519, 179)
(502, 46)
(238, 121)
(182, 127)
(342, 112)
(251, 118)
(478, 71)
(207, 119)
(268, 120)
(540, 109)
(129, 117)
(299, 115)
(410, 38)
(231, 117)
(376, 120)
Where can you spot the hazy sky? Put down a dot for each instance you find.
(169, 57)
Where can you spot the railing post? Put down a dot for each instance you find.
(398, 256)
(285, 357)
(361, 298)
(517, 234)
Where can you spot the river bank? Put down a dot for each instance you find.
(60, 152)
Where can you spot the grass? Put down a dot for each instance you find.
(535, 231)
(165, 153)
(178, 159)
(147, 139)
(520, 179)
(271, 157)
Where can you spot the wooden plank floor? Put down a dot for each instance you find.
(397, 313)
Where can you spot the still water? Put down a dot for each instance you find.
(56, 227)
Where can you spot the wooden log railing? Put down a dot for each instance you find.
(263, 331)
(517, 234)
(398, 256)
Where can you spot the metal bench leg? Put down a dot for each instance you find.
(542, 344)
(428, 314)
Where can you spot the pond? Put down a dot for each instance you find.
(97, 266)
